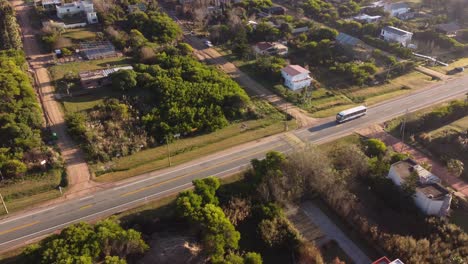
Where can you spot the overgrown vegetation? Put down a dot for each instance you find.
(437, 131)
(176, 95)
(22, 148)
(337, 176)
(10, 37)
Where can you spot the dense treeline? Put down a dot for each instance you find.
(20, 117)
(334, 177)
(10, 37)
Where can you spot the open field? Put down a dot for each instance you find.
(88, 101)
(31, 190)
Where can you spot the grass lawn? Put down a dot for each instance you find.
(463, 62)
(398, 86)
(187, 149)
(58, 71)
(85, 102)
(77, 35)
(31, 190)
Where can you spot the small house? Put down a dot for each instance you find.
(365, 18)
(77, 7)
(397, 9)
(50, 4)
(393, 34)
(97, 78)
(430, 196)
(270, 48)
(449, 29)
(296, 77)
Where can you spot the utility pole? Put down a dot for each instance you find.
(168, 151)
(402, 130)
(3, 202)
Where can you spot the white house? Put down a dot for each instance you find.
(430, 196)
(365, 18)
(270, 48)
(394, 34)
(397, 9)
(296, 77)
(77, 7)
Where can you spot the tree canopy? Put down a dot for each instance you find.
(20, 114)
(83, 243)
(10, 37)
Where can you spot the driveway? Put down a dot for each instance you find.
(333, 232)
(77, 169)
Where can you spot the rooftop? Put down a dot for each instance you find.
(385, 260)
(343, 38)
(294, 70)
(434, 191)
(398, 5)
(366, 16)
(397, 31)
(98, 74)
(449, 27)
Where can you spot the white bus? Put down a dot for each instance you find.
(352, 113)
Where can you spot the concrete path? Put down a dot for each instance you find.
(333, 232)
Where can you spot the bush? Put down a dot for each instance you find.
(375, 147)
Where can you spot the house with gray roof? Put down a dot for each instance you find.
(397, 9)
(393, 34)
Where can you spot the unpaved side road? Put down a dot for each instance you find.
(77, 169)
(212, 56)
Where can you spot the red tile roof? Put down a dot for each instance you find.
(294, 70)
(264, 45)
(382, 260)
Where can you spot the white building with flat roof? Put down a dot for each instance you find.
(430, 196)
(77, 7)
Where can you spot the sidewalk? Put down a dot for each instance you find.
(333, 232)
(438, 169)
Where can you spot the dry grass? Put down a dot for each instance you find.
(187, 149)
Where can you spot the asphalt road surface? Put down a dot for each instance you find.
(25, 227)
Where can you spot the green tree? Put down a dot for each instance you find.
(124, 80)
(13, 168)
(82, 243)
(206, 188)
(455, 167)
(253, 258)
(375, 147)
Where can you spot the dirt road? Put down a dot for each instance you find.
(77, 169)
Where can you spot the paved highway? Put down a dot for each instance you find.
(27, 226)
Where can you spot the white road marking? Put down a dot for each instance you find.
(24, 216)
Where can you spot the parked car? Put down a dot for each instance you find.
(208, 43)
(460, 69)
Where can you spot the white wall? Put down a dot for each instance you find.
(296, 82)
(427, 205)
(394, 176)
